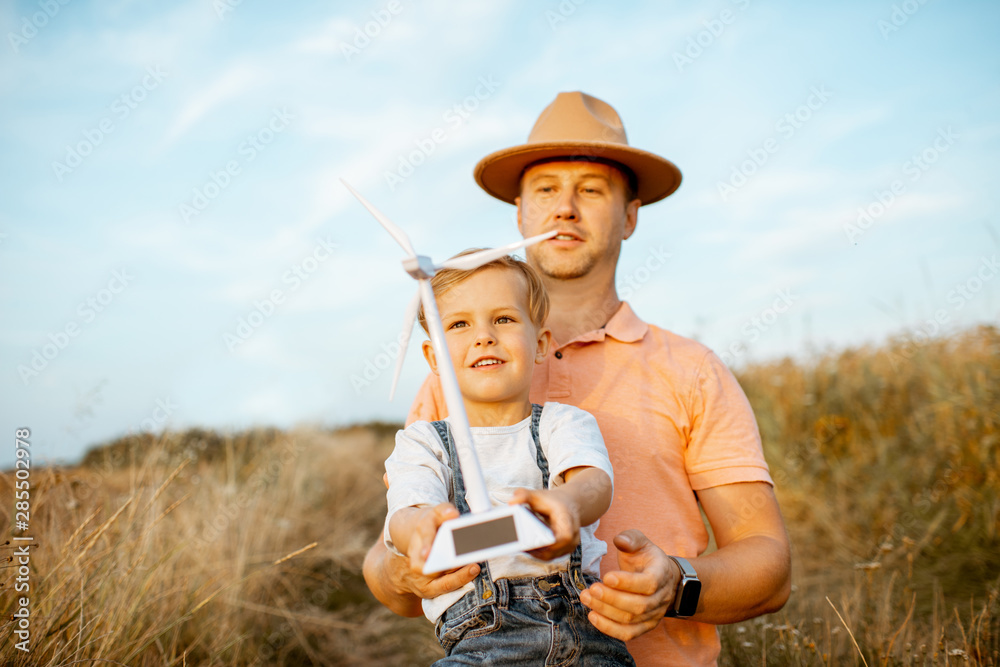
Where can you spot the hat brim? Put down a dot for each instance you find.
(499, 173)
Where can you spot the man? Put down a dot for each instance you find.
(679, 430)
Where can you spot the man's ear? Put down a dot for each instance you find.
(631, 217)
(517, 203)
(544, 341)
(429, 356)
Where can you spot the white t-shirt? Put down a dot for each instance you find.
(420, 476)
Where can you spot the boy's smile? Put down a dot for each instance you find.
(493, 344)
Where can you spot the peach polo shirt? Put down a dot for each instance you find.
(675, 420)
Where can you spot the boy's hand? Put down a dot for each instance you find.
(561, 512)
(426, 521)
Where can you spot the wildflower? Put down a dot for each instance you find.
(873, 565)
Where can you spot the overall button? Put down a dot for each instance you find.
(546, 586)
(487, 594)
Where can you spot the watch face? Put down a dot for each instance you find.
(690, 593)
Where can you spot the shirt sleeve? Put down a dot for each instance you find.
(724, 447)
(429, 404)
(571, 438)
(418, 472)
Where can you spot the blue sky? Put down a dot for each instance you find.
(170, 169)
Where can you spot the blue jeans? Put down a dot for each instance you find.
(536, 621)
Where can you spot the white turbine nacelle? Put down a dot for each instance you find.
(489, 531)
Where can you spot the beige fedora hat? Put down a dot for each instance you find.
(577, 126)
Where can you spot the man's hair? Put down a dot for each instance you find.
(628, 176)
(538, 299)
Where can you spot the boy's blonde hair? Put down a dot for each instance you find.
(538, 299)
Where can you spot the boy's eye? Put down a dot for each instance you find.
(456, 324)
(503, 319)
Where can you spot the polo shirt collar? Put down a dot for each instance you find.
(624, 326)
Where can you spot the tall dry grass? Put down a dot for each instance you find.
(174, 550)
(887, 464)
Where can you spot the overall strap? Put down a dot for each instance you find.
(543, 463)
(457, 482)
(485, 593)
(576, 559)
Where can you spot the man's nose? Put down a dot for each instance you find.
(566, 206)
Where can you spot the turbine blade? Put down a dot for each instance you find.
(404, 341)
(397, 233)
(477, 259)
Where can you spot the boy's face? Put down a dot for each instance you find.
(491, 339)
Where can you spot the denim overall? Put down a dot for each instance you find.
(526, 620)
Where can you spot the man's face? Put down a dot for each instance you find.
(585, 202)
(492, 342)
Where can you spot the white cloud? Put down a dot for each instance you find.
(233, 82)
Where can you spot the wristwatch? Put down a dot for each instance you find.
(688, 591)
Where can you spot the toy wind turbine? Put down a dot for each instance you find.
(488, 531)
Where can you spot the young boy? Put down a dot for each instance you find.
(520, 609)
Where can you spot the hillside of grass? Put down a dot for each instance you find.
(205, 548)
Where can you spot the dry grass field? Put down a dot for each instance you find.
(196, 548)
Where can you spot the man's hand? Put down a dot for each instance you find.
(561, 513)
(633, 599)
(748, 575)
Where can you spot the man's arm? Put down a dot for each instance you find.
(393, 582)
(749, 574)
